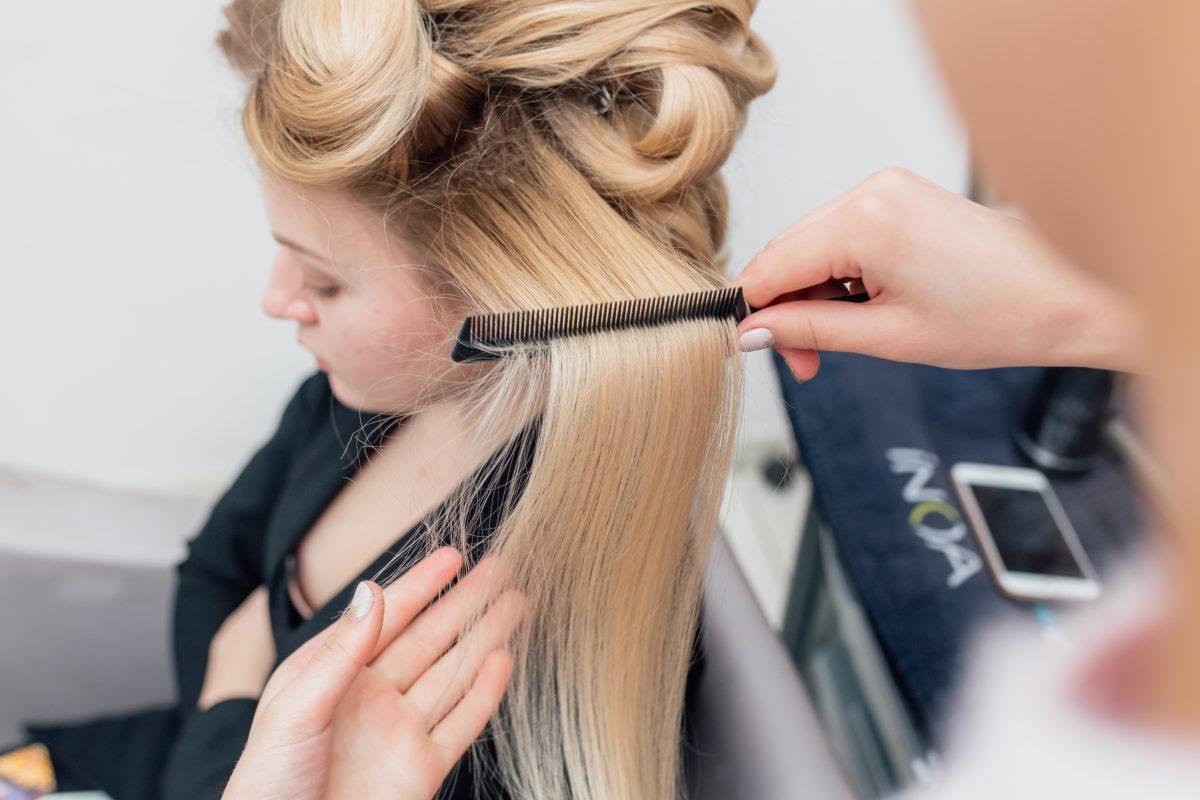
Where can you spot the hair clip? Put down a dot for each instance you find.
(600, 98)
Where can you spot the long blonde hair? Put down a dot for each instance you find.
(546, 153)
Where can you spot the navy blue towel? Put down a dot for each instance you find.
(878, 439)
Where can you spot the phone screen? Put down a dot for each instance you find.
(1026, 534)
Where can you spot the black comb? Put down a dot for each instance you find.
(486, 337)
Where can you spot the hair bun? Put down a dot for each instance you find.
(682, 73)
(450, 99)
(337, 84)
(645, 98)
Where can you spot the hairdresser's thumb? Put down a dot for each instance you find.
(345, 650)
(812, 325)
(803, 363)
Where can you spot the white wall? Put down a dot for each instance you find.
(135, 351)
(136, 247)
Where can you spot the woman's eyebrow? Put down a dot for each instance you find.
(286, 242)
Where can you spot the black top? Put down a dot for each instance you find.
(181, 753)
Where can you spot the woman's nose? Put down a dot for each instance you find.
(282, 298)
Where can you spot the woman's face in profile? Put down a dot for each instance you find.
(360, 297)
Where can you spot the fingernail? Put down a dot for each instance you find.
(360, 606)
(756, 339)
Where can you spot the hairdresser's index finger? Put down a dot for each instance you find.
(804, 257)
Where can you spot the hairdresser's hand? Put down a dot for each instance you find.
(241, 655)
(385, 702)
(953, 283)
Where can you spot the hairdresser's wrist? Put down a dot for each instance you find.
(1102, 331)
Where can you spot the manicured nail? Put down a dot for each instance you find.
(360, 606)
(756, 339)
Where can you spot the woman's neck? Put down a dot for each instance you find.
(440, 434)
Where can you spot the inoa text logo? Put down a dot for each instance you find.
(932, 517)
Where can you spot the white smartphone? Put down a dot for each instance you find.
(1030, 547)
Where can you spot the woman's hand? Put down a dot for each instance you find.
(952, 283)
(386, 701)
(241, 655)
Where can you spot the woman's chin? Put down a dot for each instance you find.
(340, 392)
(347, 396)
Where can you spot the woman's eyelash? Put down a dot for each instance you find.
(322, 291)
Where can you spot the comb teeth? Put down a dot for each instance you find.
(482, 336)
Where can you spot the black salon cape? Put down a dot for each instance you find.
(181, 753)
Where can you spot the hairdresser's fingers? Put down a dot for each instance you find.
(819, 213)
(414, 590)
(868, 328)
(803, 364)
(826, 249)
(312, 696)
(435, 630)
(445, 683)
(856, 235)
(467, 720)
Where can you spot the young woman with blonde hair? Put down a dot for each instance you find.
(422, 160)
(1113, 709)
